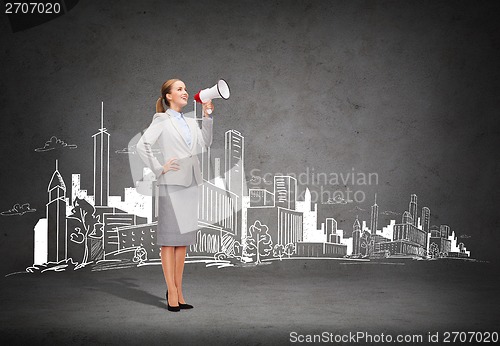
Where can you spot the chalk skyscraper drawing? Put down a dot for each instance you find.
(374, 217)
(356, 237)
(285, 191)
(56, 218)
(426, 219)
(101, 164)
(413, 209)
(234, 158)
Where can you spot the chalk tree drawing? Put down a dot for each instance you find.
(140, 255)
(54, 143)
(434, 251)
(258, 241)
(91, 229)
(18, 209)
(367, 243)
(289, 249)
(278, 251)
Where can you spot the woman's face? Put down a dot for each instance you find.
(178, 96)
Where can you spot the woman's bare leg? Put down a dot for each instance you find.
(168, 265)
(180, 255)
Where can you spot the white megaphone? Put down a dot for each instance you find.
(218, 91)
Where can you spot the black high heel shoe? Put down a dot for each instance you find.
(172, 308)
(185, 306)
(181, 306)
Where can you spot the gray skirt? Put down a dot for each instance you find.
(177, 214)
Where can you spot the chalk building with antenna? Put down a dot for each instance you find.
(51, 240)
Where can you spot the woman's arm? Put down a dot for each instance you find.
(206, 131)
(144, 146)
(206, 125)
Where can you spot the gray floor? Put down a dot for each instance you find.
(250, 305)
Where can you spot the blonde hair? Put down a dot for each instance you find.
(165, 89)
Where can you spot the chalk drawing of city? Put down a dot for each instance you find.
(238, 226)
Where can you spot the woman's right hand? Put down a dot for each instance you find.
(171, 165)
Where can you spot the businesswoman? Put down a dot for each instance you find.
(180, 140)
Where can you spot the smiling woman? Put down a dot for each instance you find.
(180, 140)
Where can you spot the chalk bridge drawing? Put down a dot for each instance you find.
(237, 226)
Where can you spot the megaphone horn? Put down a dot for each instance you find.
(219, 90)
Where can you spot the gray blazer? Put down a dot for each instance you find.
(165, 130)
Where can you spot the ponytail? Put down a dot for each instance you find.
(159, 106)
